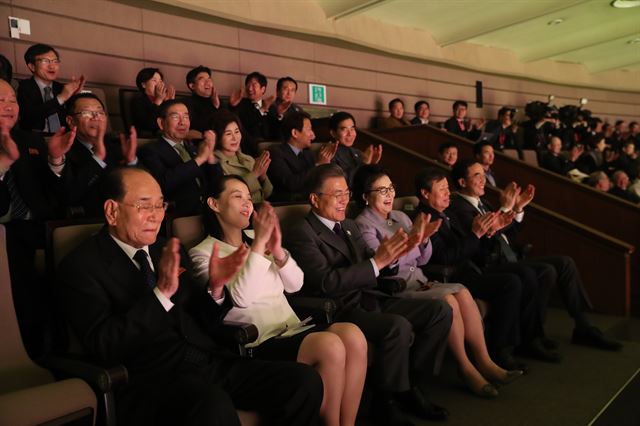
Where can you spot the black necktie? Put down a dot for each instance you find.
(481, 207)
(147, 273)
(337, 229)
(19, 209)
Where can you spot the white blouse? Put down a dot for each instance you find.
(257, 290)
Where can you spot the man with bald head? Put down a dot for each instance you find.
(553, 159)
(130, 299)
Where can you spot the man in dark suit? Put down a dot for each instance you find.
(291, 161)
(501, 133)
(204, 100)
(253, 112)
(496, 253)
(82, 164)
(553, 160)
(28, 197)
(41, 98)
(338, 264)
(183, 172)
(130, 299)
(283, 106)
(459, 125)
(423, 110)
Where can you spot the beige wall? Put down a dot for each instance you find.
(109, 42)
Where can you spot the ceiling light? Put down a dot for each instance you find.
(625, 4)
(555, 22)
(634, 41)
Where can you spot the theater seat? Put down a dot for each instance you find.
(29, 394)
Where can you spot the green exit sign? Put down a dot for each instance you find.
(317, 94)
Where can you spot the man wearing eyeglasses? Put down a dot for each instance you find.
(408, 336)
(183, 170)
(129, 298)
(41, 98)
(81, 163)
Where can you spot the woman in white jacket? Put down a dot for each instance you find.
(339, 352)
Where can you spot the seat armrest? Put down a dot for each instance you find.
(391, 286)
(241, 333)
(322, 309)
(107, 379)
(441, 273)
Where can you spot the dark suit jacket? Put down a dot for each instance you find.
(288, 171)
(349, 159)
(36, 184)
(416, 121)
(255, 125)
(453, 126)
(275, 124)
(201, 111)
(33, 109)
(179, 180)
(489, 251)
(118, 318)
(144, 114)
(556, 163)
(499, 137)
(81, 176)
(332, 268)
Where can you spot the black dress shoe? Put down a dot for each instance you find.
(536, 350)
(387, 413)
(506, 360)
(592, 336)
(417, 404)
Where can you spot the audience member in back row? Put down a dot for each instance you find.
(407, 335)
(502, 133)
(459, 125)
(338, 352)
(204, 100)
(283, 106)
(127, 299)
(422, 110)
(396, 115)
(550, 271)
(292, 160)
(342, 127)
(183, 172)
(599, 180)
(82, 164)
(152, 92)
(233, 161)
(628, 160)
(483, 151)
(620, 187)
(28, 197)
(454, 246)
(253, 112)
(41, 98)
(6, 69)
(553, 159)
(596, 158)
(374, 193)
(448, 153)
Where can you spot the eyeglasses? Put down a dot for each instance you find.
(174, 116)
(91, 114)
(384, 190)
(338, 195)
(147, 207)
(48, 61)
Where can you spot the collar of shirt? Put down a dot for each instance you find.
(86, 145)
(131, 251)
(326, 222)
(473, 200)
(424, 120)
(42, 84)
(258, 103)
(295, 150)
(170, 142)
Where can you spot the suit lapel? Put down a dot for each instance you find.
(328, 236)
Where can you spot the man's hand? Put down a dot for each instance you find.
(60, 143)
(235, 97)
(575, 152)
(283, 107)
(205, 150)
(482, 223)
(372, 154)
(266, 103)
(390, 249)
(221, 270)
(99, 149)
(71, 88)
(524, 198)
(129, 145)
(261, 165)
(168, 268)
(9, 152)
(502, 220)
(215, 99)
(509, 195)
(326, 153)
